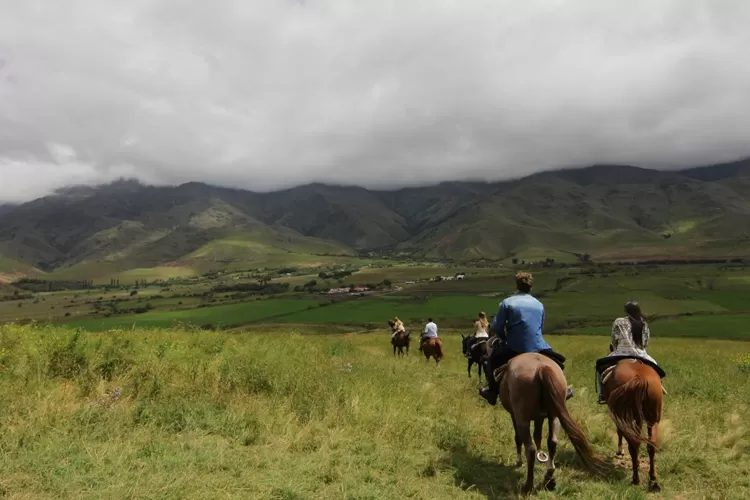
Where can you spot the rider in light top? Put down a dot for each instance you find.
(430, 329)
(398, 326)
(480, 327)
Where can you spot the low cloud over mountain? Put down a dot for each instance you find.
(270, 94)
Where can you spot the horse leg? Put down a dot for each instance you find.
(524, 430)
(620, 453)
(479, 369)
(554, 431)
(653, 482)
(519, 442)
(538, 427)
(634, 449)
(469, 368)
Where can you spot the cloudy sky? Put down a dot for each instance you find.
(269, 94)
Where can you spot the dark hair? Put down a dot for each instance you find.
(429, 320)
(637, 322)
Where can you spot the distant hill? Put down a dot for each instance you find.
(610, 212)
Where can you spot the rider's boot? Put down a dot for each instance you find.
(600, 387)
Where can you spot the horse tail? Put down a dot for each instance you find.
(439, 348)
(626, 409)
(555, 398)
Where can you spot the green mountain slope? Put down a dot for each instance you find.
(608, 211)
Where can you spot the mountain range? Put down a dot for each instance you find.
(608, 212)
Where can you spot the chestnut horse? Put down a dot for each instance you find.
(533, 388)
(399, 341)
(432, 347)
(634, 394)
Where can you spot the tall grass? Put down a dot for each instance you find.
(200, 414)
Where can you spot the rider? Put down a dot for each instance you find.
(630, 336)
(481, 325)
(398, 326)
(430, 332)
(519, 319)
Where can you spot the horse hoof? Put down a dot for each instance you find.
(542, 457)
(526, 489)
(654, 487)
(550, 484)
(619, 454)
(519, 463)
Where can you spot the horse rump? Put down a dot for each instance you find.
(627, 410)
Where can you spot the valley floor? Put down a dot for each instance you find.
(283, 415)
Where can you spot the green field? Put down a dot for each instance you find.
(710, 301)
(294, 416)
(228, 315)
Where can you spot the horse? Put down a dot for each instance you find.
(475, 353)
(533, 388)
(432, 347)
(399, 341)
(634, 393)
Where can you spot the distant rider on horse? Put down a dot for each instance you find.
(398, 326)
(630, 337)
(519, 321)
(430, 332)
(481, 325)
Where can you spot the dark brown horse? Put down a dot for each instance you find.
(474, 351)
(533, 388)
(432, 347)
(399, 341)
(634, 396)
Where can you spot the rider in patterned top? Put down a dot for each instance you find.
(630, 337)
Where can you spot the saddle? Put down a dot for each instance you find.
(609, 361)
(607, 373)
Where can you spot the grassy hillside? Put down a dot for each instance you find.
(276, 414)
(608, 212)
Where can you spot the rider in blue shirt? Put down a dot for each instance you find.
(519, 321)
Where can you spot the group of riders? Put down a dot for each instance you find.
(518, 327)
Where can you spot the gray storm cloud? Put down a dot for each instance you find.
(271, 94)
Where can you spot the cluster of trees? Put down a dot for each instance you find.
(258, 288)
(37, 285)
(334, 275)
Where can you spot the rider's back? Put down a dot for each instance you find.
(525, 319)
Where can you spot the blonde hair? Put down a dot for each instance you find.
(524, 282)
(483, 321)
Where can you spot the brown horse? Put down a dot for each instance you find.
(399, 341)
(432, 347)
(533, 388)
(634, 396)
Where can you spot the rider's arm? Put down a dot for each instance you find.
(498, 322)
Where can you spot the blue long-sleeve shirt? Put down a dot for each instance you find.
(523, 317)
